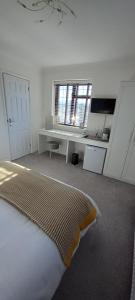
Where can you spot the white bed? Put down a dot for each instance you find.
(30, 264)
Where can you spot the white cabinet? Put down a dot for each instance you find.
(121, 157)
(94, 159)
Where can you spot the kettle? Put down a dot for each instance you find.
(106, 134)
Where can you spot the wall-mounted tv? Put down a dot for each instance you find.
(103, 105)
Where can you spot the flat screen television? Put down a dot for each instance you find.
(103, 105)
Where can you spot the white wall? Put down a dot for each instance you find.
(27, 71)
(105, 78)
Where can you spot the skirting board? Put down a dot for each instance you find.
(117, 178)
(132, 297)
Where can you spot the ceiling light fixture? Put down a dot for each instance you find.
(59, 7)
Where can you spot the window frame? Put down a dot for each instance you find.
(74, 99)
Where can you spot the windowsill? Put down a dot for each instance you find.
(69, 128)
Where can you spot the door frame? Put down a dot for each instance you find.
(5, 105)
(128, 157)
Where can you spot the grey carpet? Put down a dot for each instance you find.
(102, 266)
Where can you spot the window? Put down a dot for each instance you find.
(72, 103)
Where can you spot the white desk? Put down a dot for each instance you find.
(70, 138)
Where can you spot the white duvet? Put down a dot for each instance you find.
(30, 264)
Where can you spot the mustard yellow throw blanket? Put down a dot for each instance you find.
(59, 210)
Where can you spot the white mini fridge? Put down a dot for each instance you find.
(94, 158)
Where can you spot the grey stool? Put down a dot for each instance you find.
(53, 145)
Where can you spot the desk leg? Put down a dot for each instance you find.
(67, 152)
(70, 150)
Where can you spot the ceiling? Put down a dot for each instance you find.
(103, 30)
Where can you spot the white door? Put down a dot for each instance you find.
(18, 115)
(129, 168)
